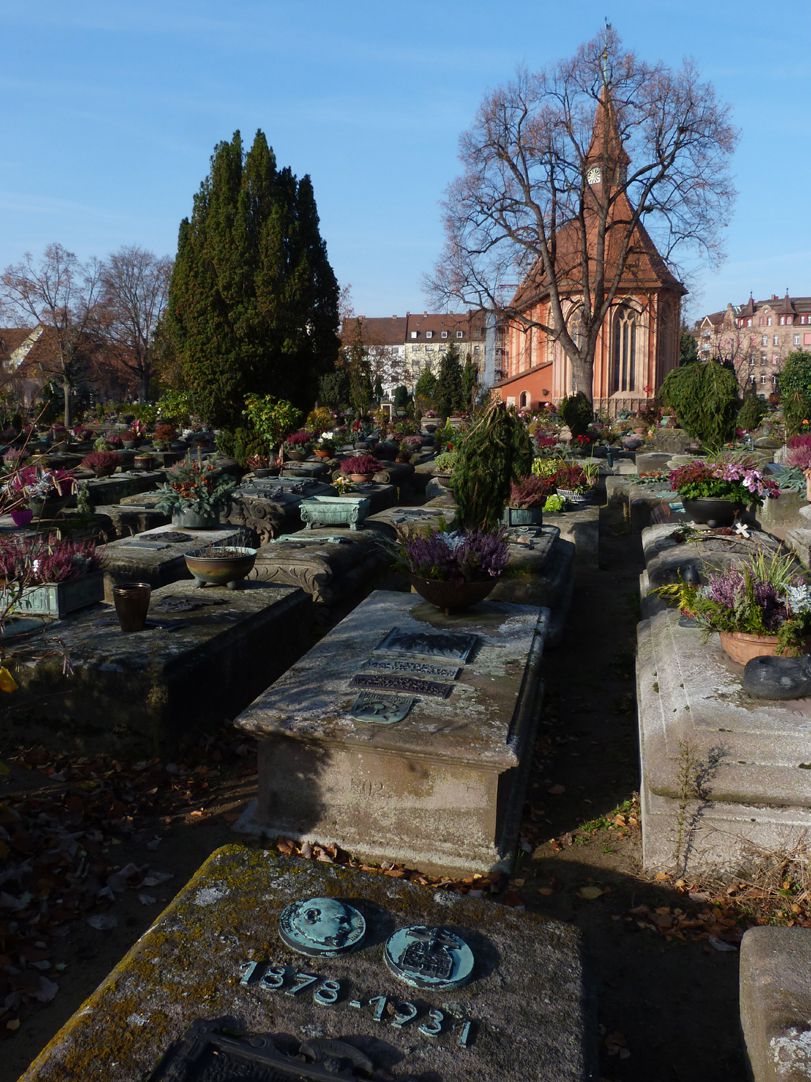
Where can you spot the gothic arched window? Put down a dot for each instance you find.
(623, 351)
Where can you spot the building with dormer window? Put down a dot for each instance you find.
(756, 337)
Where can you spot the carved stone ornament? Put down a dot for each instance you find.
(321, 927)
(435, 959)
(210, 1051)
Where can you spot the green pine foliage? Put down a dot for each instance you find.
(752, 410)
(470, 382)
(577, 412)
(495, 452)
(704, 395)
(449, 395)
(359, 372)
(253, 302)
(425, 390)
(794, 384)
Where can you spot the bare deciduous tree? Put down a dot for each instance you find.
(135, 286)
(58, 293)
(568, 173)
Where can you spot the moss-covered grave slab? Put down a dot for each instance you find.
(203, 656)
(528, 1002)
(442, 788)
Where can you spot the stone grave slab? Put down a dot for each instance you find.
(439, 484)
(114, 489)
(380, 495)
(668, 556)
(270, 505)
(775, 995)
(397, 521)
(540, 571)
(582, 529)
(753, 755)
(156, 556)
(399, 474)
(440, 789)
(124, 521)
(203, 656)
(525, 1015)
(329, 564)
(779, 516)
(316, 469)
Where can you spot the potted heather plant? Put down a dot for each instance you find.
(455, 570)
(527, 498)
(297, 445)
(715, 493)
(102, 463)
(48, 576)
(359, 468)
(762, 607)
(195, 493)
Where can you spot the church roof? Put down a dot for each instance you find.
(644, 266)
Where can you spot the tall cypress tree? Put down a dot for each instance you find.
(449, 396)
(253, 303)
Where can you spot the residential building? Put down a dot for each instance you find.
(638, 342)
(756, 337)
(401, 347)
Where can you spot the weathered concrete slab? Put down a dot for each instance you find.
(400, 521)
(440, 789)
(330, 565)
(751, 755)
(582, 529)
(779, 516)
(109, 490)
(529, 1001)
(775, 995)
(649, 502)
(798, 540)
(124, 521)
(540, 571)
(203, 656)
(315, 468)
(156, 556)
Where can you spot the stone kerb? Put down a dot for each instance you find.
(775, 997)
(440, 789)
(751, 755)
(582, 529)
(529, 1002)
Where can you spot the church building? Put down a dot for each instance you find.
(638, 342)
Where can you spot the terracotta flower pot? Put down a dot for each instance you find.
(740, 646)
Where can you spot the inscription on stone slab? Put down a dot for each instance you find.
(454, 645)
(416, 668)
(431, 958)
(380, 709)
(401, 682)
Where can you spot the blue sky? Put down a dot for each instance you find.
(111, 111)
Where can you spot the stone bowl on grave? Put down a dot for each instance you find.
(452, 597)
(224, 565)
(193, 520)
(712, 512)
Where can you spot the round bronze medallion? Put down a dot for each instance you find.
(321, 926)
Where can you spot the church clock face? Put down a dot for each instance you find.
(594, 175)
